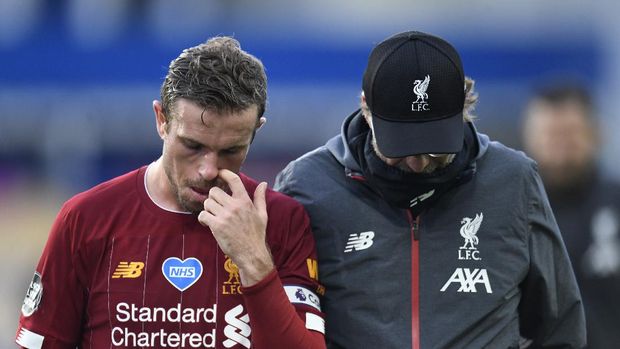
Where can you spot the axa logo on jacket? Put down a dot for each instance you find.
(467, 280)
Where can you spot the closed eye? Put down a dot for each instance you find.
(231, 151)
(189, 144)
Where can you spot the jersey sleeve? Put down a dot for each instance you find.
(52, 312)
(551, 310)
(284, 308)
(275, 323)
(298, 268)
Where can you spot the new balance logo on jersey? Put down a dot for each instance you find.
(467, 280)
(129, 270)
(237, 330)
(359, 241)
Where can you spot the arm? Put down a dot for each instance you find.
(551, 311)
(297, 287)
(51, 315)
(239, 225)
(275, 323)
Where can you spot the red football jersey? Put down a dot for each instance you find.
(118, 271)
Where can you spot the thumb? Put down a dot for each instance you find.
(259, 198)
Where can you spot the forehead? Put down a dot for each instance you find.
(190, 118)
(562, 115)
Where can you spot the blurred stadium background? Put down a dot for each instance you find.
(77, 78)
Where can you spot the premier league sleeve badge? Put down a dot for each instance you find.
(33, 295)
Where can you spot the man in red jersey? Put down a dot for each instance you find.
(186, 252)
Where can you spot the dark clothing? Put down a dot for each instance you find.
(589, 218)
(481, 267)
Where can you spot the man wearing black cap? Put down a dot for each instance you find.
(429, 235)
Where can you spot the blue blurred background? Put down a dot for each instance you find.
(77, 78)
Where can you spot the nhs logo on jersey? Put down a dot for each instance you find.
(182, 273)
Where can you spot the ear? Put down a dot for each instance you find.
(363, 106)
(160, 119)
(261, 122)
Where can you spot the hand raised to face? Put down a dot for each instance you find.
(239, 224)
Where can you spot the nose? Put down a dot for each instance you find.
(208, 167)
(417, 163)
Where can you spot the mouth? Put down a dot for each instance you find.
(201, 191)
(199, 194)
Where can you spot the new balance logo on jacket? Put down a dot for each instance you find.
(361, 241)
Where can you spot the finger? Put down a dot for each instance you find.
(259, 198)
(213, 207)
(219, 195)
(234, 183)
(205, 218)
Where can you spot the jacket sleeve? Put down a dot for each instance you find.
(51, 315)
(551, 312)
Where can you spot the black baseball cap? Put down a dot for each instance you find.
(414, 86)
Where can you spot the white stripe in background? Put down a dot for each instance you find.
(315, 323)
(29, 339)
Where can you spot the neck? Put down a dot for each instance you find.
(158, 187)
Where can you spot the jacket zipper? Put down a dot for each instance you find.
(415, 280)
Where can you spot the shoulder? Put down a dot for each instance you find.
(313, 162)
(506, 160)
(511, 172)
(498, 150)
(83, 216)
(317, 170)
(106, 194)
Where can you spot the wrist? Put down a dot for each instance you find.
(254, 269)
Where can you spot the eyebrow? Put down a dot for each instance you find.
(232, 146)
(187, 139)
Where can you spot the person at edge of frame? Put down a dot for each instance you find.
(561, 132)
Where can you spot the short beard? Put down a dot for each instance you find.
(186, 205)
(432, 166)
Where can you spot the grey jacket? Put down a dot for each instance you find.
(483, 267)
